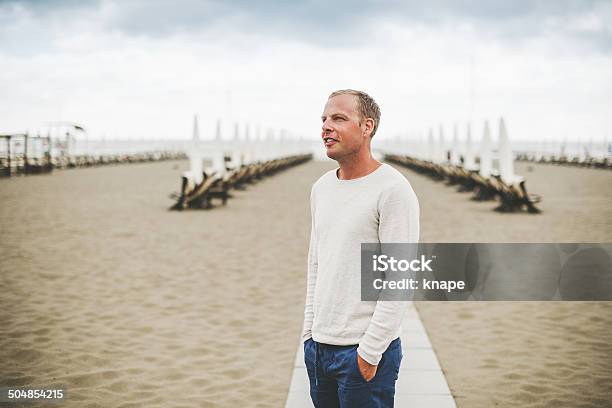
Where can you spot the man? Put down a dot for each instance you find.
(352, 348)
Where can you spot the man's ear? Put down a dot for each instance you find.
(369, 126)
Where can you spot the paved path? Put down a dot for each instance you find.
(421, 382)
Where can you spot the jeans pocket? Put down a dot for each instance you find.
(355, 363)
(394, 357)
(307, 350)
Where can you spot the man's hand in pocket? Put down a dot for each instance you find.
(367, 370)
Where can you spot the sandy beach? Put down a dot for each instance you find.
(130, 305)
(127, 304)
(527, 354)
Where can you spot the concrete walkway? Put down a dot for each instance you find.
(421, 382)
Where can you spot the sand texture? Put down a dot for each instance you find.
(523, 354)
(130, 305)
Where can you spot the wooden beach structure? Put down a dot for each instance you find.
(24, 154)
(458, 166)
(73, 148)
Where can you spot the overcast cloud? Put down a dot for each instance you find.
(143, 68)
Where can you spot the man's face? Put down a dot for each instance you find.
(343, 132)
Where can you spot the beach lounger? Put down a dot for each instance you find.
(485, 189)
(196, 197)
(514, 197)
(466, 183)
(214, 186)
(218, 190)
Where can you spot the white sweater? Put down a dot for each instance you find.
(379, 207)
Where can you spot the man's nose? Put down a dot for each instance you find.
(326, 127)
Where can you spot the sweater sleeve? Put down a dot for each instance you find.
(398, 223)
(311, 276)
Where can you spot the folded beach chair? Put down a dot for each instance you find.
(465, 180)
(241, 177)
(455, 175)
(513, 196)
(195, 197)
(218, 190)
(484, 188)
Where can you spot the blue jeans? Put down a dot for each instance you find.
(335, 379)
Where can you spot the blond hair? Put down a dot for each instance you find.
(367, 106)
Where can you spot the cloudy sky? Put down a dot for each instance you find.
(143, 68)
